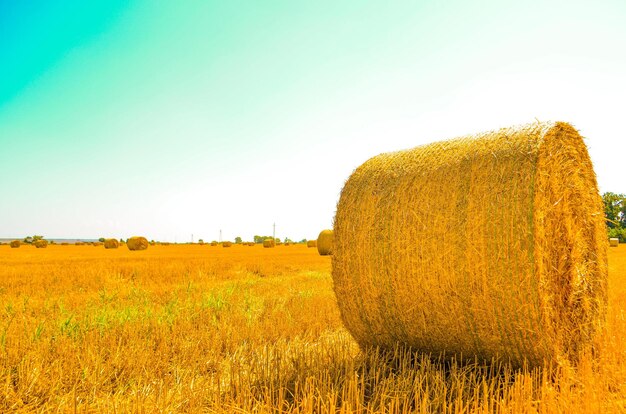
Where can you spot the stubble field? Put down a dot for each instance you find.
(196, 328)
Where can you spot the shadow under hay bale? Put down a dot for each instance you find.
(516, 271)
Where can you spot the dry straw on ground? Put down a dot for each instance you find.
(613, 242)
(41, 244)
(269, 243)
(488, 246)
(325, 242)
(311, 243)
(111, 244)
(137, 243)
(15, 244)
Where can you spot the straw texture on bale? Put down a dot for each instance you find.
(111, 244)
(137, 243)
(613, 242)
(269, 243)
(41, 244)
(311, 243)
(325, 242)
(486, 246)
(15, 244)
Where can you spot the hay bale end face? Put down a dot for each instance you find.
(137, 243)
(311, 243)
(15, 244)
(111, 244)
(487, 246)
(269, 243)
(41, 244)
(613, 242)
(325, 242)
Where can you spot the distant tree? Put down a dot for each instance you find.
(238, 240)
(614, 209)
(260, 239)
(288, 240)
(28, 240)
(303, 241)
(200, 241)
(101, 239)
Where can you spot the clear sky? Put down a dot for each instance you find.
(172, 118)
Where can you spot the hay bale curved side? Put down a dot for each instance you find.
(41, 244)
(15, 244)
(137, 243)
(325, 242)
(111, 244)
(516, 270)
(269, 243)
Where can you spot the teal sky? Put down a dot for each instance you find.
(167, 119)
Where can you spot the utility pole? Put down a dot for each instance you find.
(191, 238)
(274, 233)
(220, 235)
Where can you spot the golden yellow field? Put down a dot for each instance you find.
(191, 328)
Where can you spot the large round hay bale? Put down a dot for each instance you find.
(311, 243)
(111, 244)
(613, 242)
(325, 242)
(137, 243)
(41, 244)
(489, 246)
(269, 243)
(15, 244)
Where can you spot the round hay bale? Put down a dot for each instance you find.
(311, 243)
(227, 244)
(15, 244)
(41, 244)
(325, 242)
(137, 243)
(613, 242)
(214, 243)
(111, 244)
(269, 243)
(487, 246)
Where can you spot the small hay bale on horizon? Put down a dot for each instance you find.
(137, 243)
(325, 242)
(269, 243)
(311, 243)
(613, 242)
(41, 244)
(524, 250)
(111, 244)
(227, 244)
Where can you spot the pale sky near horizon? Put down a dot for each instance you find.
(167, 119)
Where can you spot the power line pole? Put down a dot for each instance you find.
(191, 238)
(274, 232)
(220, 235)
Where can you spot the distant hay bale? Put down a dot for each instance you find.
(227, 244)
(41, 244)
(325, 242)
(311, 243)
(214, 243)
(269, 243)
(15, 244)
(488, 246)
(137, 243)
(111, 244)
(65, 244)
(613, 242)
